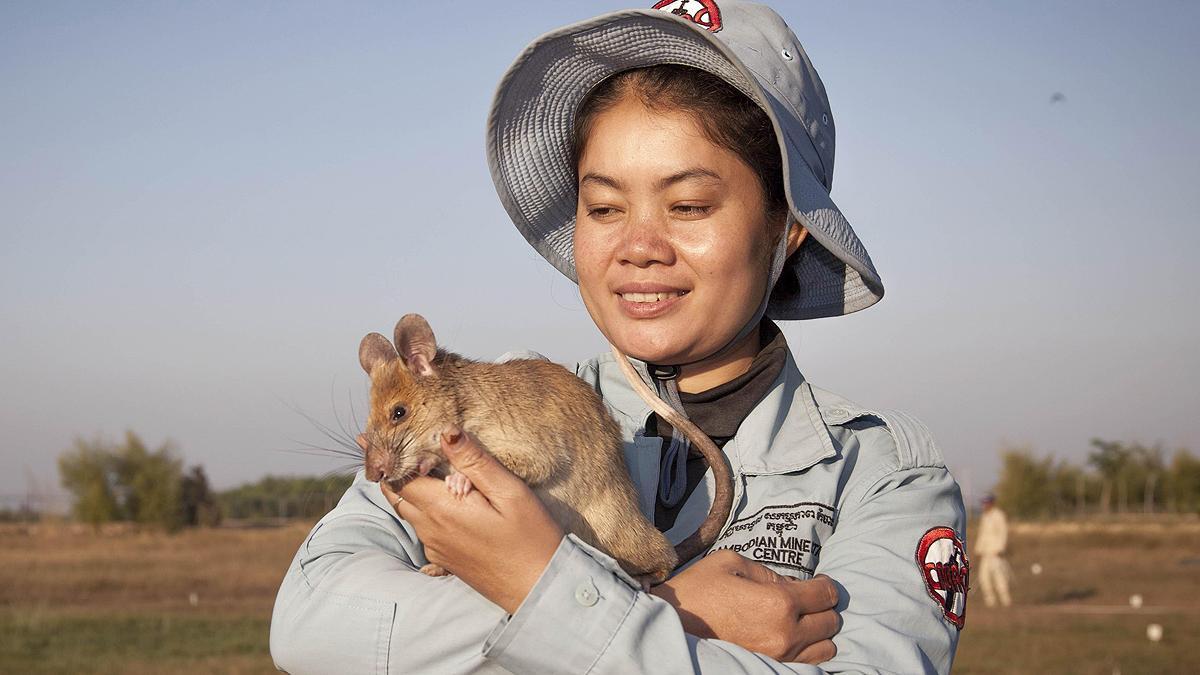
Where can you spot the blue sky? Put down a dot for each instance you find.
(203, 207)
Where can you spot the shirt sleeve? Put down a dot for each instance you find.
(893, 620)
(353, 600)
(585, 615)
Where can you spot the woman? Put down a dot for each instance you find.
(677, 164)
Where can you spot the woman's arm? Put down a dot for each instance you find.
(352, 600)
(891, 621)
(584, 615)
(579, 612)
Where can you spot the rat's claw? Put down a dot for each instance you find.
(434, 570)
(458, 484)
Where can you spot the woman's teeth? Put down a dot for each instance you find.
(649, 297)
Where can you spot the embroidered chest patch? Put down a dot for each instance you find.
(946, 571)
(703, 13)
(787, 538)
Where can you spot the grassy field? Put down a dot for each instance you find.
(75, 601)
(72, 600)
(1075, 617)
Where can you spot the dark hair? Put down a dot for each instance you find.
(727, 117)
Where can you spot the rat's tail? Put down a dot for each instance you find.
(703, 538)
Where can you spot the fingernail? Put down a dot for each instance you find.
(452, 435)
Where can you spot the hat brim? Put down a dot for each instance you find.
(529, 144)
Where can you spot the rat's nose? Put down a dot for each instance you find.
(376, 466)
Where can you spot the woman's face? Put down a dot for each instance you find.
(672, 244)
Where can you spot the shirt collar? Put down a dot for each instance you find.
(782, 434)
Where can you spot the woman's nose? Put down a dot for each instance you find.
(644, 241)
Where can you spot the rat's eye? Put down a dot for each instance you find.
(399, 413)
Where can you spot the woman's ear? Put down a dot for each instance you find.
(796, 235)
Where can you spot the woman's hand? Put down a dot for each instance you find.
(498, 538)
(729, 597)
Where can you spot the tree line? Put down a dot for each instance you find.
(284, 497)
(129, 482)
(1116, 478)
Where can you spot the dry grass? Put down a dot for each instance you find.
(72, 600)
(1075, 616)
(65, 567)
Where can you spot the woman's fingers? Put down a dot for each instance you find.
(404, 508)
(820, 626)
(486, 473)
(813, 595)
(427, 493)
(819, 652)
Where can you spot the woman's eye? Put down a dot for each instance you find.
(692, 209)
(399, 413)
(601, 211)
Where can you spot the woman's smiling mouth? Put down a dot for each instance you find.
(643, 301)
(649, 297)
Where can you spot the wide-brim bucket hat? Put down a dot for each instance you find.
(530, 128)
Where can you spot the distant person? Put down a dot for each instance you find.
(990, 545)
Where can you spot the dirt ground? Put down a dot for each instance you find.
(1076, 616)
(73, 600)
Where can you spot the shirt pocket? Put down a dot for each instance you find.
(782, 523)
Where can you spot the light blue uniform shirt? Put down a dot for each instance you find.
(822, 486)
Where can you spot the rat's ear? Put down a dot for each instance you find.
(374, 350)
(415, 342)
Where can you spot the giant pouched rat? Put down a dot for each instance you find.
(542, 422)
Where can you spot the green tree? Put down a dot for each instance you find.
(124, 482)
(150, 482)
(1025, 489)
(1068, 488)
(284, 497)
(1109, 460)
(87, 471)
(197, 500)
(1183, 483)
(1131, 475)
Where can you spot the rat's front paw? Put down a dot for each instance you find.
(647, 581)
(459, 485)
(434, 570)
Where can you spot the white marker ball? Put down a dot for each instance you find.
(1036, 568)
(1135, 601)
(1154, 632)
(193, 599)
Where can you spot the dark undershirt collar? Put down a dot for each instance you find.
(720, 411)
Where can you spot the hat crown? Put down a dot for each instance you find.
(768, 47)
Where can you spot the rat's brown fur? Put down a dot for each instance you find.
(538, 419)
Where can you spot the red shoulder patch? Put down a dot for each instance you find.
(946, 571)
(703, 13)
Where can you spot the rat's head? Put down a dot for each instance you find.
(409, 405)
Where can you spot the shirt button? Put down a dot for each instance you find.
(836, 415)
(586, 594)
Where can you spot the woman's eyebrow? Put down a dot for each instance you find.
(694, 173)
(601, 179)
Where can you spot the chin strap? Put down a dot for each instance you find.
(672, 473)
